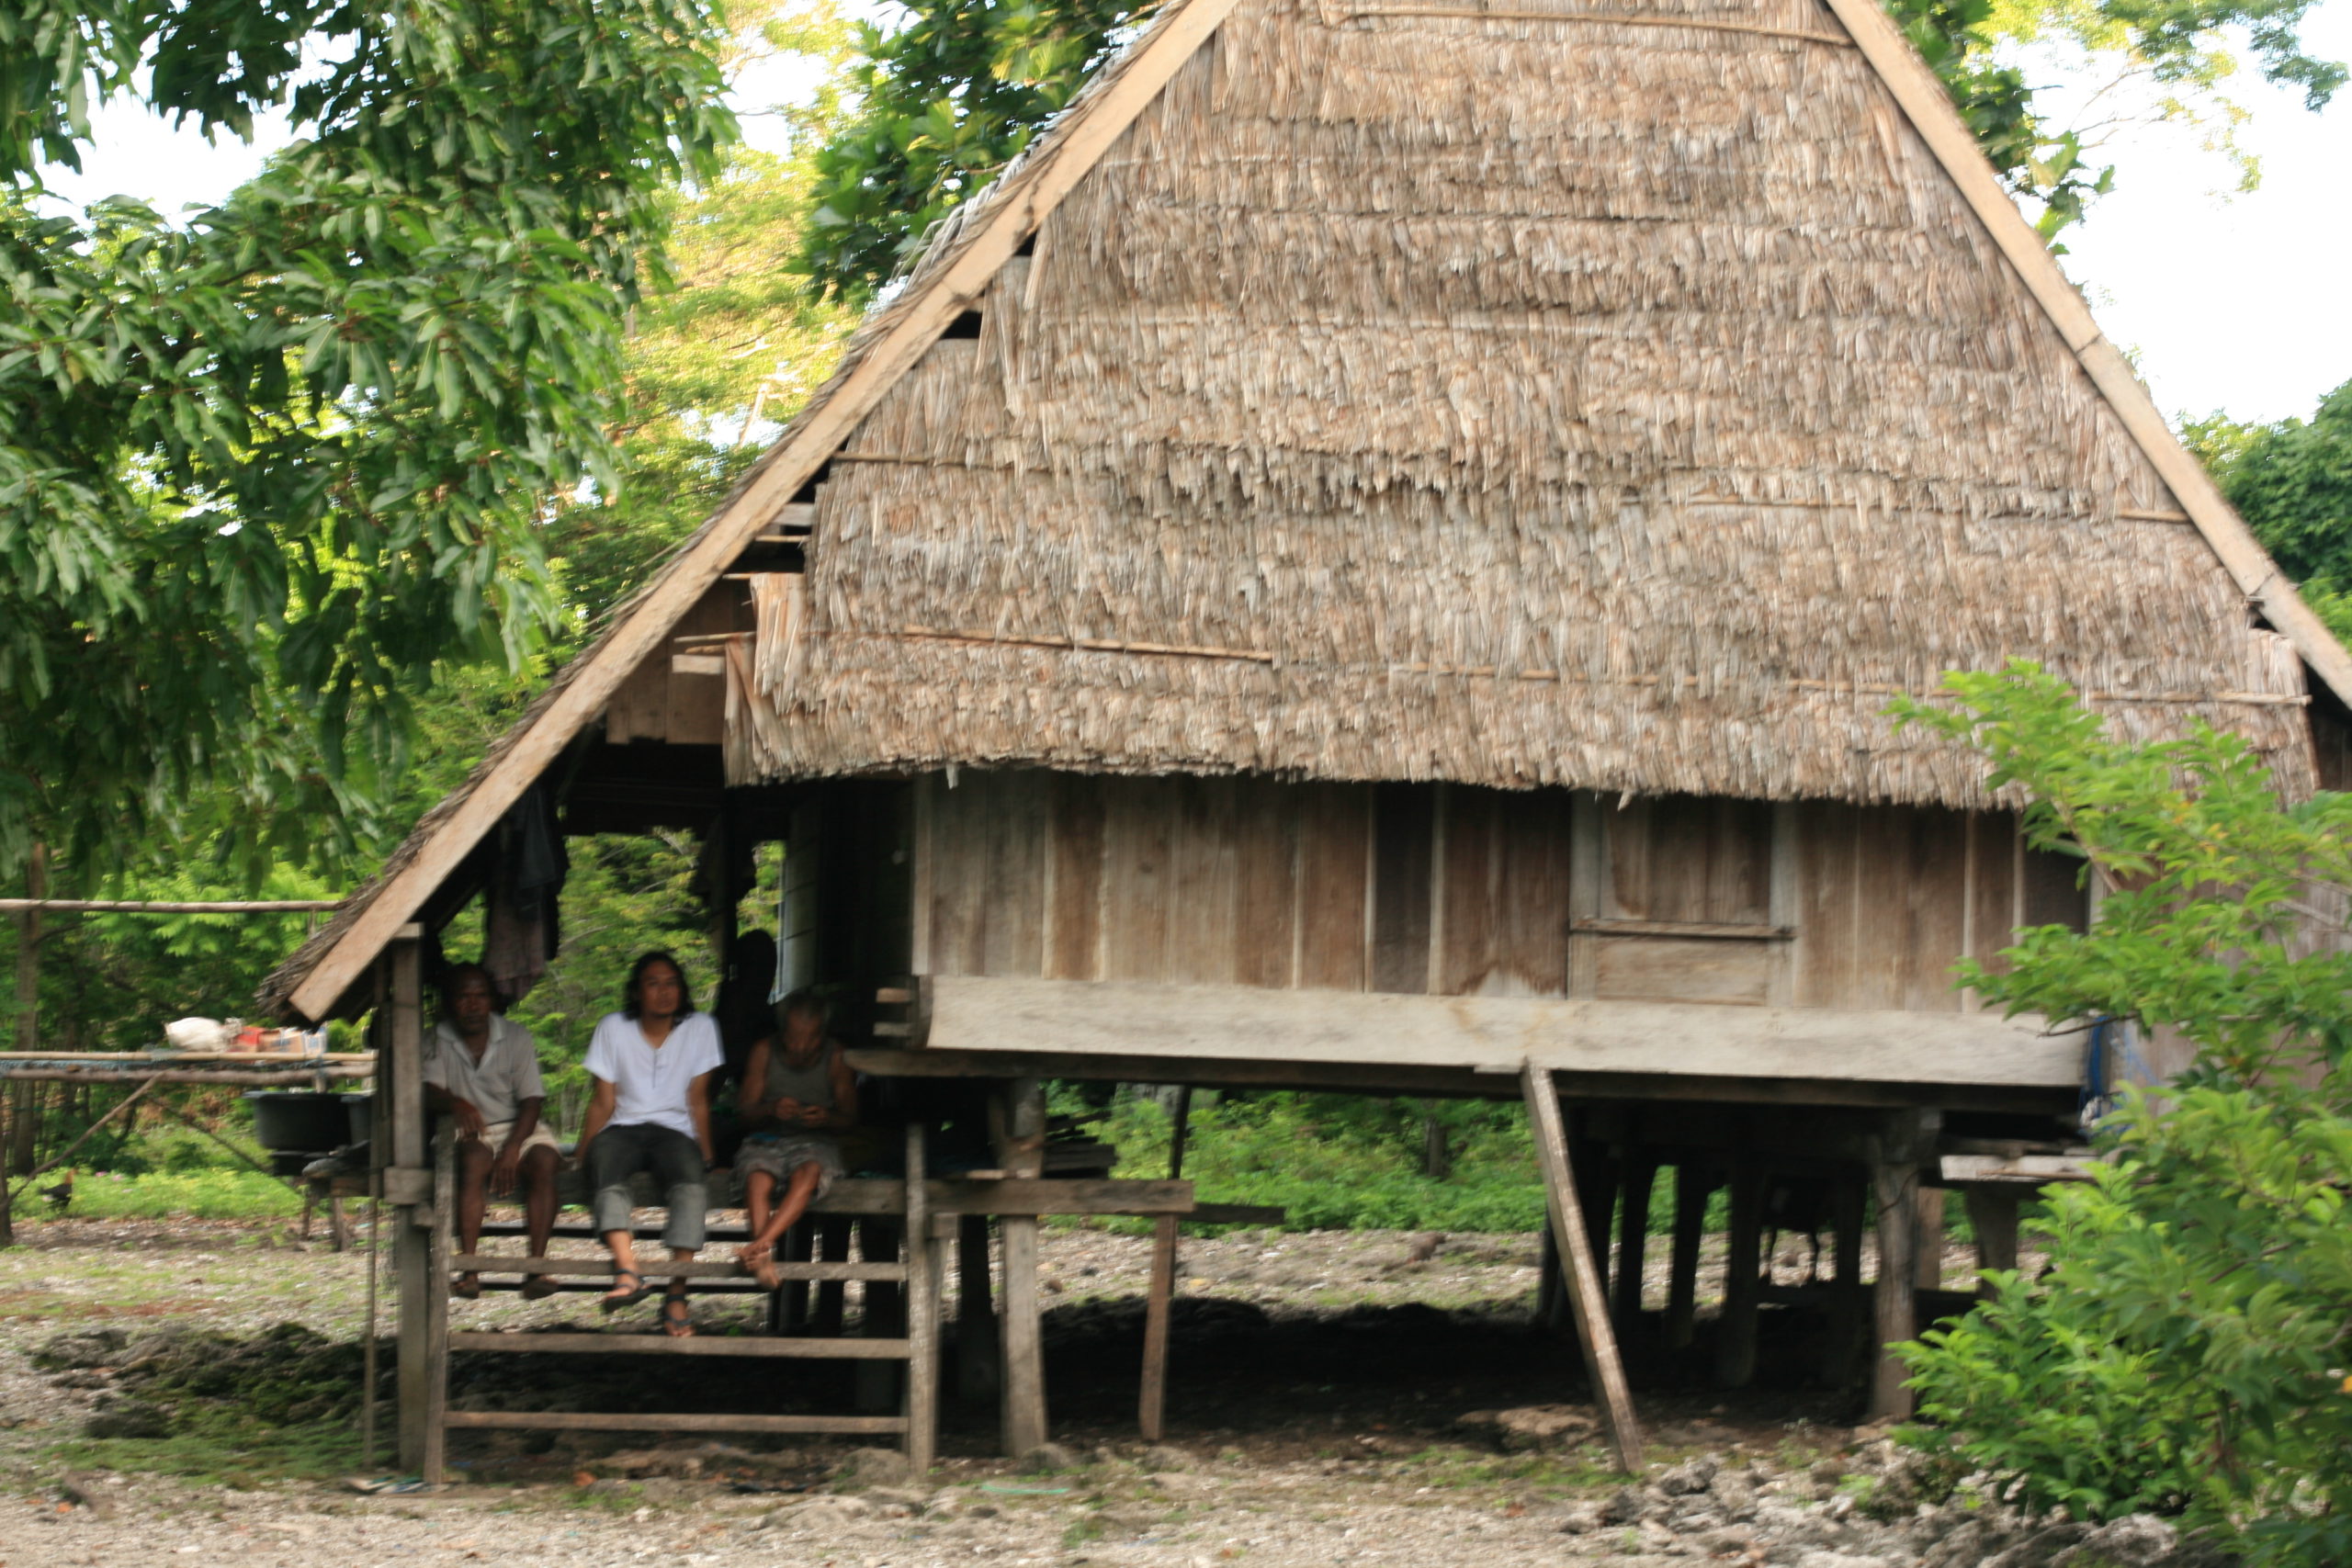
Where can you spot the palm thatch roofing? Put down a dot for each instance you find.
(1627, 396)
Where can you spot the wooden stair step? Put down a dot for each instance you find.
(632, 1344)
(583, 1421)
(602, 1269)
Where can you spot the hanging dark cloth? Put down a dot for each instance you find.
(519, 932)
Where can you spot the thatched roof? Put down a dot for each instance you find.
(1629, 399)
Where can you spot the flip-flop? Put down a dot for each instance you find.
(630, 1294)
(539, 1287)
(678, 1325)
(466, 1287)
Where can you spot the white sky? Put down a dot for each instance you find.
(2228, 302)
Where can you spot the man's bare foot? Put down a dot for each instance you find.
(466, 1286)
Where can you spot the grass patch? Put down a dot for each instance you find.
(231, 1449)
(216, 1194)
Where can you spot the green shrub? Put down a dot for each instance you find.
(2186, 1352)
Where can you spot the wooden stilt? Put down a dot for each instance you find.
(1549, 1306)
(1633, 1239)
(412, 1243)
(1586, 1297)
(1849, 1299)
(1927, 1241)
(1994, 1217)
(1743, 1289)
(1152, 1405)
(1023, 1338)
(922, 1256)
(1693, 1186)
(432, 1466)
(1597, 1197)
(1895, 1180)
(978, 1378)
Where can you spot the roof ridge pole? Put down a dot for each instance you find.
(1604, 1368)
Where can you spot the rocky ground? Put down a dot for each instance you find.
(1338, 1399)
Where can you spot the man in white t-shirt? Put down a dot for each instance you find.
(483, 1070)
(652, 1064)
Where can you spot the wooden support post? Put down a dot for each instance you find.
(1927, 1241)
(922, 1253)
(412, 1244)
(978, 1368)
(1694, 1184)
(1587, 1296)
(1743, 1291)
(433, 1466)
(1151, 1407)
(1549, 1306)
(1994, 1217)
(1849, 1300)
(1633, 1239)
(1023, 1340)
(1894, 1181)
(1597, 1197)
(799, 1246)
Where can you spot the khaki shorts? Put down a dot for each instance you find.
(493, 1137)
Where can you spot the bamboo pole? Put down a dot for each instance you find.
(36, 906)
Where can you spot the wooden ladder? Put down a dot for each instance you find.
(919, 1270)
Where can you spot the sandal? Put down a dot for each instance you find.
(628, 1289)
(539, 1287)
(466, 1287)
(677, 1324)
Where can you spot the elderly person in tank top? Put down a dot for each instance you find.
(652, 1064)
(799, 1097)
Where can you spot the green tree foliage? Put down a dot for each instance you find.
(264, 469)
(2292, 482)
(944, 100)
(2186, 1352)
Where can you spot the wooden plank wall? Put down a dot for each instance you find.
(1463, 891)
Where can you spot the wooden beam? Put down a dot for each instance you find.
(432, 1467)
(995, 225)
(1460, 1083)
(1260, 1025)
(1927, 1241)
(603, 1269)
(1849, 1300)
(1587, 1298)
(1923, 99)
(631, 1344)
(583, 1421)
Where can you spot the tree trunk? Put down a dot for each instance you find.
(1437, 1159)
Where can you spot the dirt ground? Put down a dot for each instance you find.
(1317, 1405)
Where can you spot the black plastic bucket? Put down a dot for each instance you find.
(299, 1118)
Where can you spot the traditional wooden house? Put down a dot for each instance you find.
(1375, 557)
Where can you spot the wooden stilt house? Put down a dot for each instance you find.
(1375, 557)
